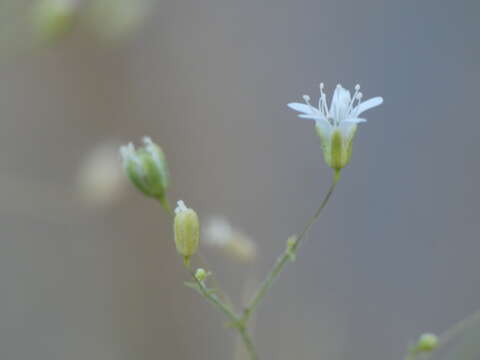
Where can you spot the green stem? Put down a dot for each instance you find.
(287, 255)
(247, 341)
(166, 205)
(212, 297)
(227, 311)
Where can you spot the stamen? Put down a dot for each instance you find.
(322, 101)
(354, 97)
(323, 104)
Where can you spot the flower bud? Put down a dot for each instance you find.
(187, 230)
(147, 168)
(201, 274)
(427, 342)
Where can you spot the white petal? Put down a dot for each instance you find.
(347, 129)
(325, 127)
(301, 107)
(317, 116)
(340, 102)
(366, 105)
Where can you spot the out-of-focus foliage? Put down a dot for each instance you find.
(53, 19)
(107, 19)
(114, 19)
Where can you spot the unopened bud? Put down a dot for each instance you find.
(201, 274)
(427, 342)
(147, 168)
(187, 230)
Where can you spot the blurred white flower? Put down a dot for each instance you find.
(219, 233)
(100, 178)
(336, 126)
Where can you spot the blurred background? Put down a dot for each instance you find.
(88, 269)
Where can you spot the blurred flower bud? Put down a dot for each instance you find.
(427, 342)
(219, 233)
(54, 18)
(201, 274)
(187, 230)
(100, 177)
(147, 169)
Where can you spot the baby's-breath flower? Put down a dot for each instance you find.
(147, 168)
(336, 126)
(219, 233)
(187, 230)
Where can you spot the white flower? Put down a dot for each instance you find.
(336, 125)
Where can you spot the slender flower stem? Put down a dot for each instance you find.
(235, 320)
(166, 205)
(247, 341)
(210, 296)
(287, 255)
(240, 322)
(226, 309)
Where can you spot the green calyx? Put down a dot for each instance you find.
(336, 146)
(147, 169)
(187, 232)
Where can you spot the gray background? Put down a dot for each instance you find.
(395, 254)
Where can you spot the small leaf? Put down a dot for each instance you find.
(192, 285)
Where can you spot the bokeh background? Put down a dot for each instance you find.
(87, 272)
